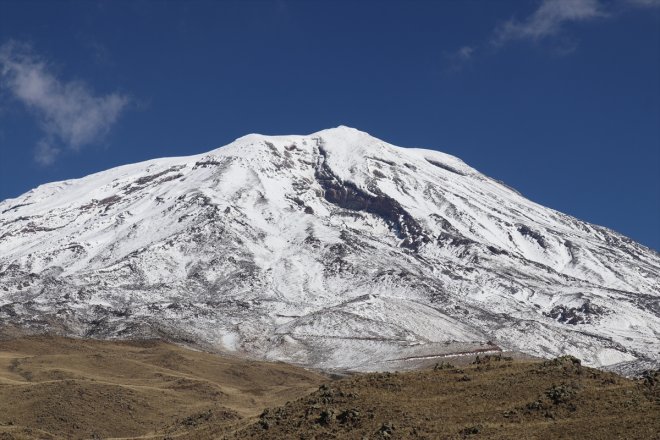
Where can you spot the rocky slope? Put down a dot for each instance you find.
(553, 399)
(333, 250)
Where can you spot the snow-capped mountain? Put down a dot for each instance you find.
(333, 250)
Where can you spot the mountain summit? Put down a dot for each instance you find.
(332, 250)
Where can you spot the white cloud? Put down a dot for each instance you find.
(458, 59)
(45, 153)
(644, 3)
(69, 113)
(465, 53)
(548, 20)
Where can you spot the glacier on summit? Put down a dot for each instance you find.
(334, 250)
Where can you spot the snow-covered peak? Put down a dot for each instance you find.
(334, 249)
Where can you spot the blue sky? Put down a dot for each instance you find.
(558, 98)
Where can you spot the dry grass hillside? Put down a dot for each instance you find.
(66, 388)
(492, 399)
(70, 388)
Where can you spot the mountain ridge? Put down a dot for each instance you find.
(266, 246)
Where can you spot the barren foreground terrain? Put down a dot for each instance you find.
(67, 388)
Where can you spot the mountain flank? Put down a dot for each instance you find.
(334, 250)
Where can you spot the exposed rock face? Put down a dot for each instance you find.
(334, 250)
(576, 315)
(349, 196)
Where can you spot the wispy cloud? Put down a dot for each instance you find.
(45, 152)
(644, 3)
(99, 52)
(465, 53)
(70, 114)
(547, 20)
(459, 58)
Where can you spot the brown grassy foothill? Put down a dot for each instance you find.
(58, 388)
(493, 398)
(53, 387)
